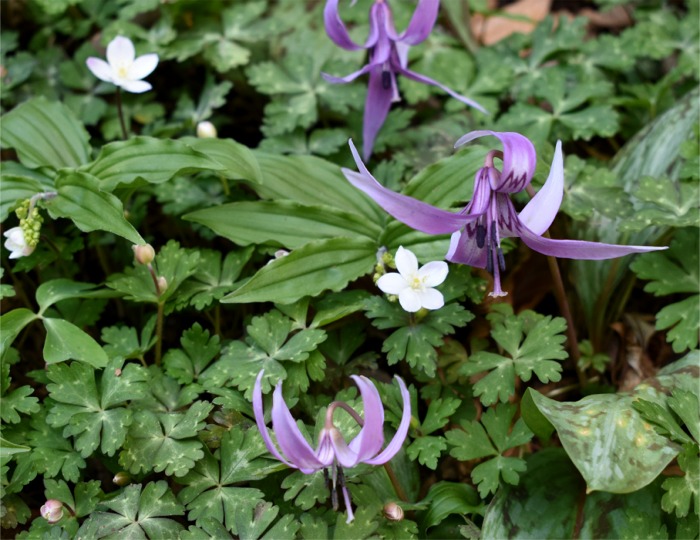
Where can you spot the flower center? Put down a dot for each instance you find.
(122, 71)
(416, 282)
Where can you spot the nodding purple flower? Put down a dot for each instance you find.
(332, 450)
(388, 57)
(490, 215)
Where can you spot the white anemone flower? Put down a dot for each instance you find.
(122, 68)
(412, 285)
(16, 243)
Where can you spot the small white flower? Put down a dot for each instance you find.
(414, 286)
(122, 68)
(16, 243)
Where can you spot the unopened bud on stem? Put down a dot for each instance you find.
(144, 253)
(393, 511)
(52, 511)
(206, 130)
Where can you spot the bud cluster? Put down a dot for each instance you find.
(30, 222)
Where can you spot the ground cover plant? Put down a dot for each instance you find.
(220, 319)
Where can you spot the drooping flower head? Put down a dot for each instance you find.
(52, 510)
(332, 451)
(122, 68)
(388, 57)
(490, 215)
(16, 243)
(414, 286)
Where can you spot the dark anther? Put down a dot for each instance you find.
(489, 259)
(341, 479)
(501, 259)
(494, 238)
(480, 236)
(386, 80)
(331, 488)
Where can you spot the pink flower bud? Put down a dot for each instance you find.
(144, 253)
(393, 511)
(162, 284)
(52, 511)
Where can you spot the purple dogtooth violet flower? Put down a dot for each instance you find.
(388, 57)
(332, 451)
(477, 230)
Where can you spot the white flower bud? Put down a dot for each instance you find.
(162, 284)
(393, 511)
(144, 253)
(206, 130)
(52, 511)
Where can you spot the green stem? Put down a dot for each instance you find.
(120, 113)
(159, 332)
(217, 319)
(563, 302)
(395, 482)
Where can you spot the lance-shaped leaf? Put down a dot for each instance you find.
(81, 200)
(237, 160)
(308, 271)
(283, 223)
(154, 160)
(20, 183)
(45, 133)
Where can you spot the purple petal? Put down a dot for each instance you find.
(519, 159)
(100, 69)
(463, 248)
(120, 52)
(348, 78)
(422, 22)
(260, 420)
(339, 34)
(348, 504)
(414, 213)
(377, 107)
(289, 438)
(539, 213)
(427, 80)
(395, 445)
(343, 454)
(579, 249)
(371, 437)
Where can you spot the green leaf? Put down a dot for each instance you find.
(55, 290)
(474, 442)
(165, 441)
(263, 514)
(447, 498)
(18, 401)
(281, 223)
(237, 161)
(52, 454)
(136, 514)
(212, 279)
(198, 350)
(66, 341)
(87, 495)
(426, 450)
(81, 200)
(306, 490)
(681, 492)
(45, 133)
(532, 347)
(608, 441)
(662, 201)
(19, 184)
(415, 341)
(308, 271)
(687, 406)
(121, 163)
(12, 324)
(312, 181)
(211, 490)
(550, 502)
(675, 271)
(95, 419)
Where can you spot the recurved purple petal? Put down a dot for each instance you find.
(579, 249)
(377, 105)
(427, 80)
(464, 250)
(400, 436)
(348, 78)
(414, 213)
(289, 438)
(422, 22)
(539, 213)
(519, 158)
(338, 33)
(371, 437)
(260, 420)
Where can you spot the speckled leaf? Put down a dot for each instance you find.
(252, 522)
(662, 201)
(305, 489)
(545, 503)
(682, 491)
(608, 441)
